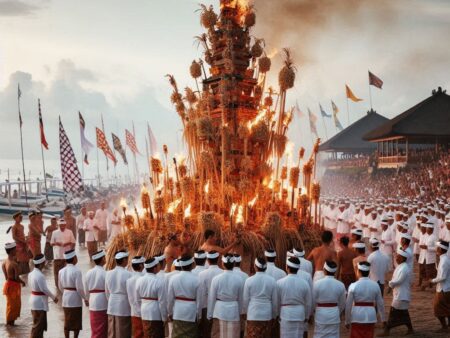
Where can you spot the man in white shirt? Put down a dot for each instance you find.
(237, 267)
(260, 301)
(200, 260)
(62, 240)
(328, 302)
(331, 219)
(80, 226)
(272, 269)
(305, 265)
(39, 297)
(119, 311)
(137, 264)
(379, 264)
(387, 240)
(343, 221)
(295, 301)
(94, 287)
(225, 301)
(150, 289)
(184, 303)
(205, 277)
(116, 224)
(427, 254)
(101, 216)
(401, 285)
(441, 304)
(71, 285)
(364, 301)
(91, 229)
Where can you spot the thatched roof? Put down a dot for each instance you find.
(429, 118)
(350, 139)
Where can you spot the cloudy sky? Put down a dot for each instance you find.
(110, 57)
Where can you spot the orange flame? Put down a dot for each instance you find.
(253, 201)
(206, 189)
(187, 211)
(240, 215)
(172, 206)
(123, 203)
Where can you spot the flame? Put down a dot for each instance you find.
(233, 209)
(272, 53)
(271, 184)
(253, 201)
(206, 189)
(160, 187)
(144, 190)
(258, 118)
(173, 205)
(187, 211)
(303, 190)
(123, 203)
(240, 215)
(180, 159)
(157, 156)
(288, 150)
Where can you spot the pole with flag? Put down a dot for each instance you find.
(324, 114)
(44, 144)
(352, 97)
(376, 82)
(135, 160)
(19, 95)
(107, 162)
(337, 123)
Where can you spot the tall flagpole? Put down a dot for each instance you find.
(134, 155)
(82, 152)
(19, 94)
(42, 152)
(370, 96)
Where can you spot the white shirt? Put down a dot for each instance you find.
(205, 278)
(442, 279)
(63, 237)
(91, 233)
(294, 298)
(184, 285)
(389, 241)
(150, 286)
(133, 299)
(379, 266)
(428, 255)
(343, 225)
(115, 228)
(95, 280)
(331, 218)
(80, 221)
(101, 216)
(306, 265)
(328, 290)
(70, 277)
(37, 283)
(116, 291)
(366, 291)
(241, 273)
(274, 271)
(199, 268)
(225, 296)
(260, 297)
(401, 283)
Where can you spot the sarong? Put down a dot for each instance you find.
(35, 245)
(326, 330)
(73, 318)
(81, 236)
(441, 304)
(422, 271)
(136, 327)
(398, 317)
(225, 329)
(11, 289)
(92, 248)
(39, 323)
(347, 279)
(183, 329)
(204, 328)
(258, 329)
(153, 328)
(362, 330)
(99, 324)
(290, 329)
(430, 271)
(48, 252)
(102, 236)
(58, 264)
(119, 327)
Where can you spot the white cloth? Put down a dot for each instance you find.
(428, 255)
(199, 268)
(116, 291)
(115, 228)
(101, 216)
(306, 265)
(326, 330)
(241, 273)
(343, 224)
(63, 237)
(91, 233)
(331, 218)
(294, 298)
(442, 279)
(365, 291)
(205, 277)
(133, 299)
(80, 221)
(274, 271)
(225, 297)
(70, 277)
(290, 329)
(95, 280)
(37, 283)
(150, 286)
(379, 266)
(401, 283)
(328, 290)
(260, 297)
(387, 241)
(185, 285)
(307, 278)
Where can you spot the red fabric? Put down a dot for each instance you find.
(12, 291)
(99, 324)
(136, 327)
(326, 304)
(37, 293)
(360, 330)
(364, 304)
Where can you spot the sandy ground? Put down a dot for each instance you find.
(421, 309)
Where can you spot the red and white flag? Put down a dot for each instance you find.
(131, 142)
(71, 176)
(153, 142)
(103, 145)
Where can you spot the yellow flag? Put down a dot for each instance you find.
(350, 95)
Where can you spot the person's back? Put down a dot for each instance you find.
(294, 293)
(322, 254)
(260, 296)
(366, 296)
(116, 291)
(345, 262)
(184, 293)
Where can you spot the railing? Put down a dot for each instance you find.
(392, 159)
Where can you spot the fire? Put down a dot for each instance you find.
(144, 190)
(160, 187)
(172, 206)
(303, 190)
(233, 209)
(271, 184)
(187, 211)
(253, 201)
(206, 189)
(123, 203)
(240, 215)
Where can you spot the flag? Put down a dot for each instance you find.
(350, 94)
(152, 139)
(298, 110)
(19, 95)
(323, 112)
(71, 176)
(103, 145)
(337, 123)
(86, 146)
(312, 123)
(131, 142)
(375, 81)
(41, 127)
(335, 108)
(118, 146)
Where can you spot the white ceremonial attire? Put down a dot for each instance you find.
(401, 285)
(442, 279)
(101, 216)
(240, 273)
(91, 233)
(343, 224)
(135, 302)
(332, 219)
(184, 297)
(274, 271)
(306, 277)
(375, 227)
(380, 264)
(161, 274)
(387, 244)
(306, 265)
(295, 300)
(65, 237)
(152, 293)
(260, 297)
(198, 268)
(360, 294)
(428, 255)
(416, 236)
(328, 291)
(205, 277)
(366, 220)
(70, 282)
(115, 228)
(94, 286)
(116, 292)
(38, 284)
